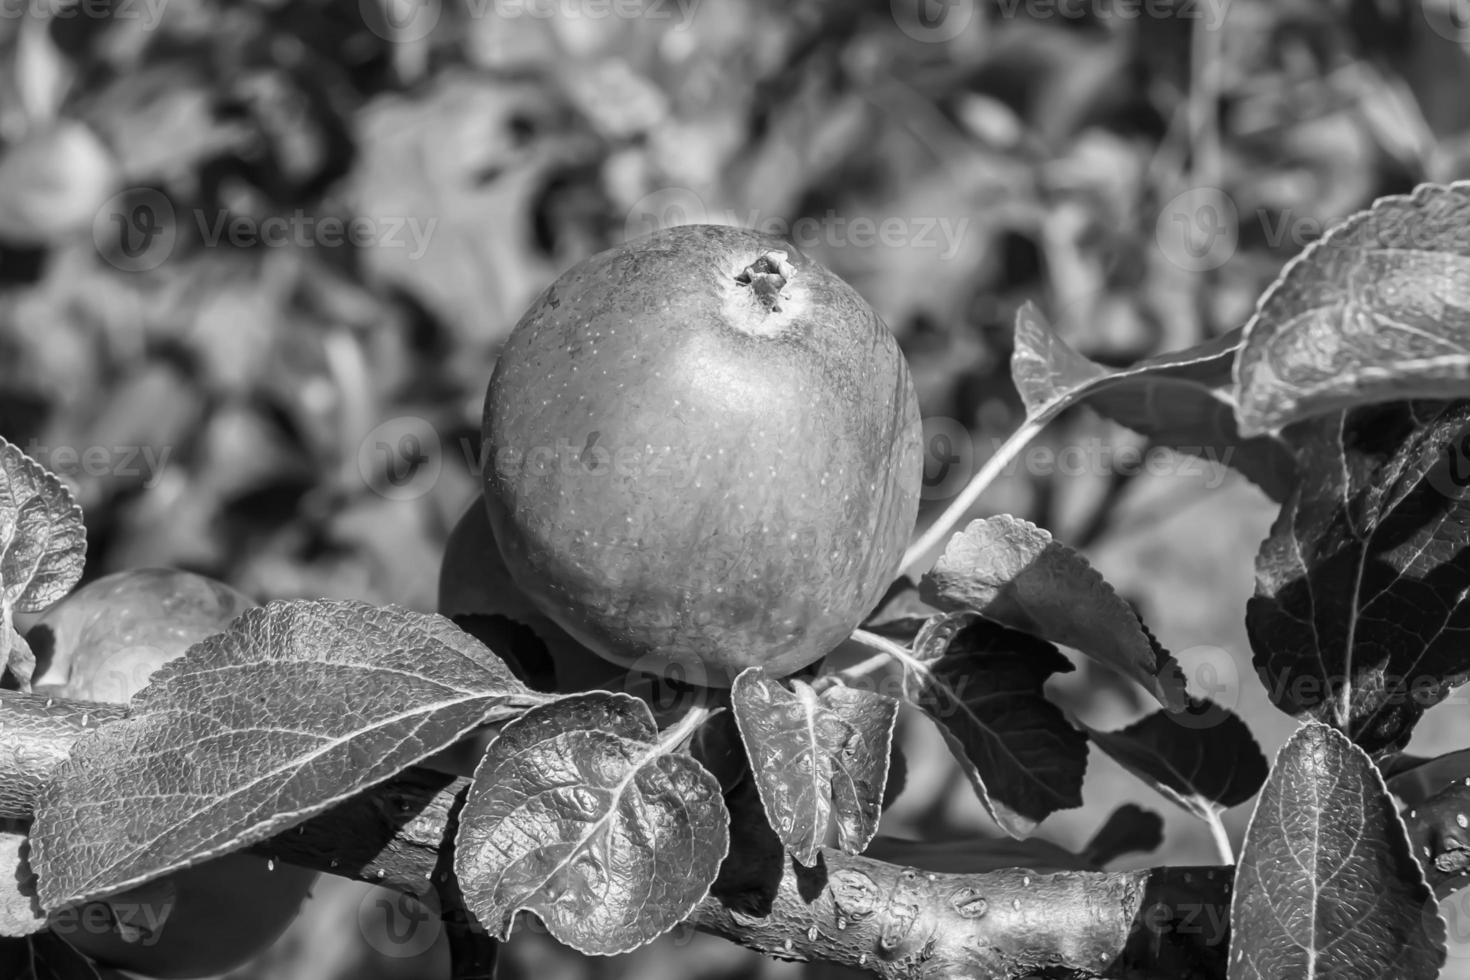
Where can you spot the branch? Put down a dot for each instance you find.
(892, 920)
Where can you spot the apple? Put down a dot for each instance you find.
(102, 643)
(702, 451)
(477, 592)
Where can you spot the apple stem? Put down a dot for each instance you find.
(767, 276)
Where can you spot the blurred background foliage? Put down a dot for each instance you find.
(246, 407)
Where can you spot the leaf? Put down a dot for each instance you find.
(1013, 572)
(816, 757)
(977, 855)
(582, 813)
(20, 913)
(1326, 886)
(295, 707)
(982, 684)
(46, 956)
(1414, 779)
(1203, 767)
(17, 657)
(1378, 309)
(1439, 831)
(1130, 829)
(1182, 400)
(43, 543)
(1360, 617)
(901, 611)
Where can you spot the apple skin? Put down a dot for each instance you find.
(477, 591)
(102, 643)
(699, 454)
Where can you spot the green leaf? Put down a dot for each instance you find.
(297, 706)
(816, 758)
(1012, 571)
(1182, 400)
(582, 812)
(1326, 887)
(1360, 616)
(1376, 310)
(982, 684)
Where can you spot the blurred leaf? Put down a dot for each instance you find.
(583, 813)
(982, 685)
(1360, 610)
(1326, 886)
(1181, 400)
(294, 708)
(1376, 310)
(451, 176)
(1014, 572)
(1130, 829)
(816, 758)
(1204, 759)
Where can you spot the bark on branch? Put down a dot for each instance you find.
(891, 920)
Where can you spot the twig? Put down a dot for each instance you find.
(935, 534)
(892, 920)
(1223, 848)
